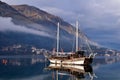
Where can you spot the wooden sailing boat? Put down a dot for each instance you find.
(77, 58)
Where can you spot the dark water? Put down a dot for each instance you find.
(37, 68)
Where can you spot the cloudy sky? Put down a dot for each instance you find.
(99, 19)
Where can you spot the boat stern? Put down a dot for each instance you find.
(88, 61)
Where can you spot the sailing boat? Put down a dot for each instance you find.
(76, 58)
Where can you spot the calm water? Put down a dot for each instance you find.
(37, 68)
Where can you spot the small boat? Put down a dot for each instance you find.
(76, 58)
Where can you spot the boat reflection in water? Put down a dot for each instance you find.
(77, 72)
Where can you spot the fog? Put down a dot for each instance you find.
(7, 25)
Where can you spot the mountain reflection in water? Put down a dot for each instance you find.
(38, 68)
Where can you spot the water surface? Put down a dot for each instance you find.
(38, 68)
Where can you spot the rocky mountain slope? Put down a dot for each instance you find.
(30, 18)
(33, 19)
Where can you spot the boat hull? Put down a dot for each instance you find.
(75, 61)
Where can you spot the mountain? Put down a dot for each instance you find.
(8, 11)
(44, 18)
(41, 17)
(48, 21)
(30, 21)
(34, 27)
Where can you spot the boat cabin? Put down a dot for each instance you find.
(80, 53)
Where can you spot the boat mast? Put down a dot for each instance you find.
(76, 35)
(58, 27)
(58, 35)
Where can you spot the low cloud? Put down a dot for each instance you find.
(7, 25)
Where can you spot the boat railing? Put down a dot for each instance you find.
(92, 55)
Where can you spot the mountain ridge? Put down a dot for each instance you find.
(8, 11)
(51, 19)
(41, 17)
(34, 18)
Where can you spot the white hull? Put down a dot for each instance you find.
(69, 61)
(67, 66)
